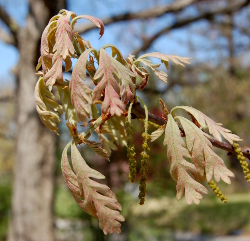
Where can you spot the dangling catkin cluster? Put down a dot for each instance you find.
(130, 146)
(145, 157)
(144, 168)
(242, 161)
(217, 191)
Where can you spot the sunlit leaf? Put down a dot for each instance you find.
(203, 155)
(80, 93)
(55, 73)
(98, 23)
(64, 38)
(157, 133)
(47, 106)
(181, 170)
(94, 198)
(214, 128)
(108, 69)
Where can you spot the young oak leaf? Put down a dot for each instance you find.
(97, 148)
(127, 87)
(55, 73)
(80, 93)
(94, 20)
(47, 106)
(160, 74)
(108, 69)
(180, 169)
(203, 155)
(46, 57)
(70, 111)
(214, 128)
(178, 60)
(64, 38)
(157, 133)
(94, 198)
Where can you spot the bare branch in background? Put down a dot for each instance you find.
(236, 6)
(6, 37)
(175, 7)
(5, 99)
(11, 24)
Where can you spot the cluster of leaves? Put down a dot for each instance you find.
(115, 82)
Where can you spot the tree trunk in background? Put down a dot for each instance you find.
(32, 199)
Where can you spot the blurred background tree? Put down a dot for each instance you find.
(214, 33)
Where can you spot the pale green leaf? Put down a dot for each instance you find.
(80, 93)
(157, 133)
(70, 111)
(203, 155)
(47, 106)
(181, 170)
(214, 128)
(178, 60)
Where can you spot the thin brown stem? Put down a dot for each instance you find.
(139, 113)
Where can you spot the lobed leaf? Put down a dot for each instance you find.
(108, 69)
(80, 93)
(178, 60)
(160, 74)
(64, 38)
(203, 155)
(97, 148)
(214, 128)
(157, 133)
(94, 20)
(180, 169)
(55, 73)
(94, 198)
(47, 106)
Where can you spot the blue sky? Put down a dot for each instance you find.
(124, 35)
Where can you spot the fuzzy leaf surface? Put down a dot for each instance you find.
(94, 198)
(109, 69)
(203, 155)
(157, 133)
(47, 106)
(97, 148)
(80, 93)
(178, 60)
(64, 38)
(182, 171)
(55, 73)
(70, 111)
(98, 23)
(214, 128)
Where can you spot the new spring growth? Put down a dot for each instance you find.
(144, 168)
(217, 191)
(130, 146)
(145, 157)
(242, 161)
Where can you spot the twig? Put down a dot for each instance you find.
(139, 113)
